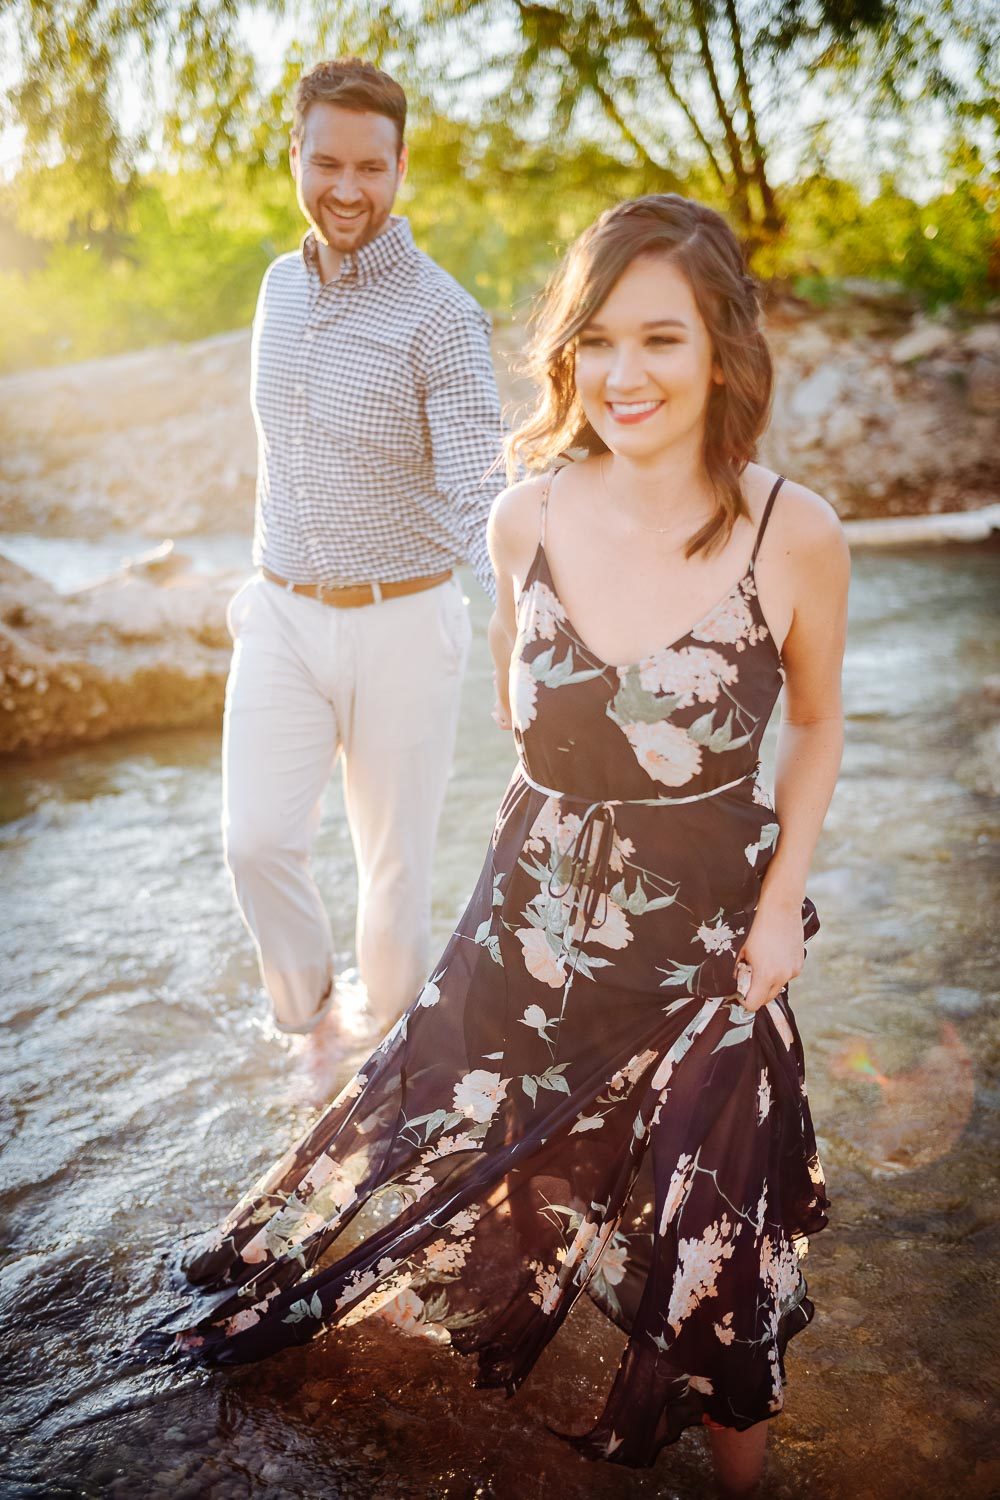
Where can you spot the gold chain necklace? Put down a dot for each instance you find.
(653, 530)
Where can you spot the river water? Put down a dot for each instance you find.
(145, 1087)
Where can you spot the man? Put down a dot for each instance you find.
(377, 418)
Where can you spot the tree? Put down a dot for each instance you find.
(709, 88)
(709, 92)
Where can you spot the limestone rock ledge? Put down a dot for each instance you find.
(147, 648)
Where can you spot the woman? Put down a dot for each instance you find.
(601, 1087)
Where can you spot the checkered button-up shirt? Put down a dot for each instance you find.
(377, 418)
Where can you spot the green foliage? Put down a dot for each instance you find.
(495, 211)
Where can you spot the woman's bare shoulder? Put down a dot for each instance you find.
(802, 523)
(516, 517)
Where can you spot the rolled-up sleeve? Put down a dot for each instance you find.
(465, 428)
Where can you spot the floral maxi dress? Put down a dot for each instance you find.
(576, 1100)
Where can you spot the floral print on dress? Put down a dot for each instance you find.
(576, 1102)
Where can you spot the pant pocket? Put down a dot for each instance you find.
(455, 624)
(238, 607)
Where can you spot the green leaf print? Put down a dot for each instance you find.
(585, 963)
(716, 737)
(638, 901)
(722, 738)
(702, 729)
(733, 1037)
(678, 974)
(632, 704)
(303, 1309)
(660, 902)
(553, 674)
(551, 1079)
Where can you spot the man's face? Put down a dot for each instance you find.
(347, 170)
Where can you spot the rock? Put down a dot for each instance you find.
(816, 395)
(956, 1000)
(883, 415)
(980, 768)
(844, 427)
(983, 339)
(129, 653)
(920, 343)
(984, 384)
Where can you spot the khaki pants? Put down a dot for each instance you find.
(379, 685)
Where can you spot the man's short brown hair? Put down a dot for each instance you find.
(352, 84)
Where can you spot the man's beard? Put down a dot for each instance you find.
(351, 235)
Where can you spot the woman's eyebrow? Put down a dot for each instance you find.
(653, 323)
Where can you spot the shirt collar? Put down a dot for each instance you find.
(394, 245)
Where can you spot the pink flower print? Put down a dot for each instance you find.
(612, 1264)
(665, 751)
(546, 1293)
(480, 1094)
(622, 850)
(763, 1097)
(545, 828)
(724, 1332)
(689, 674)
(542, 612)
(405, 1311)
(523, 695)
(699, 1263)
(730, 623)
(680, 1184)
(241, 1321)
(717, 939)
(614, 931)
(539, 959)
(633, 1070)
(446, 1256)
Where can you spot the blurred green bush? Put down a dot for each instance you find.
(493, 210)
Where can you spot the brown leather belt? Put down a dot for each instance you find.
(354, 595)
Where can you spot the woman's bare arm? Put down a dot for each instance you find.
(810, 739)
(512, 537)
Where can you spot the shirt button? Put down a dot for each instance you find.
(297, 441)
(308, 336)
(300, 389)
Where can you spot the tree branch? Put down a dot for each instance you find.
(772, 217)
(733, 142)
(647, 33)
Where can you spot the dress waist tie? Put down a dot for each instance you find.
(591, 851)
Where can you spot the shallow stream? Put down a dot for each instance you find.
(144, 1087)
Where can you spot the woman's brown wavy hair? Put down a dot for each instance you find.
(701, 244)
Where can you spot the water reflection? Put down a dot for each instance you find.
(145, 1087)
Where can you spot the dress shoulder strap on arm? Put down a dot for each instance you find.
(545, 506)
(766, 516)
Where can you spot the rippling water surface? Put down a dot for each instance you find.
(144, 1087)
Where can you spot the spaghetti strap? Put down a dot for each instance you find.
(765, 518)
(545, 506)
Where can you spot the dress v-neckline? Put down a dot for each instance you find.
(612, 666)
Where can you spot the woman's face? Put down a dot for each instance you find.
(644, 364)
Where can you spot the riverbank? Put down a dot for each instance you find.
(882, 412)
(148, 646)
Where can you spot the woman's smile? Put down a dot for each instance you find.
(631, 412)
